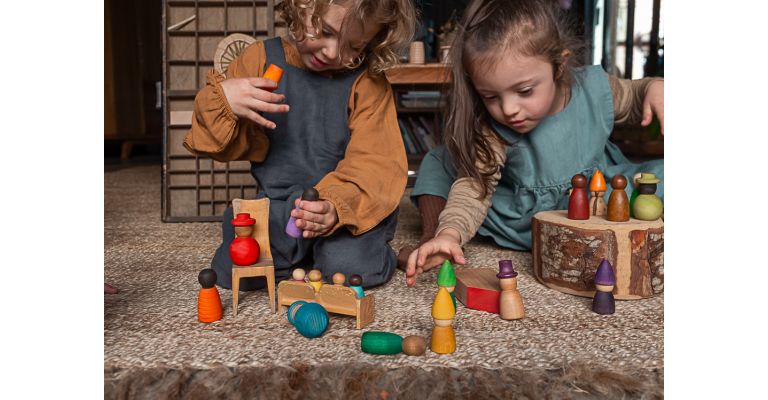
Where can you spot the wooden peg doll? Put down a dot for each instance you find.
(618, 203)
(339, 279)
(356, 284)
(244, 249)
(578, 203)
(310, 194)
(446, 278)
(510, 301)
(647, 206)
(316, 279)
(208, 300)
(605, 281)
(443, 340)
(597, 189)
(299, 275)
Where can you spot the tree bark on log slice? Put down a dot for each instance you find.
(566, 254)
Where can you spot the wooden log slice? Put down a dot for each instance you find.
(566, 254)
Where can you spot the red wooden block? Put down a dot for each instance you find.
(478, 289)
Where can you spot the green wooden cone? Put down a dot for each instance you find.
(446, 277)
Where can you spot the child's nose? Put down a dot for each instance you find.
(331, 50)
(510, 108)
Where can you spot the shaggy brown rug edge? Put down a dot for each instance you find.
(366, 381)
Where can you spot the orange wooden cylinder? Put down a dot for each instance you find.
(273, 73)
(443, 340)
(209, 305)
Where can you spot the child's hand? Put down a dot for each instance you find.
(315, 217)
(433, 253)
(654, 104)
(247, 98)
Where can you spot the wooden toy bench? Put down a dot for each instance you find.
(337, 299)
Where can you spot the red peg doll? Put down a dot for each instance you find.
(244, 250)
(578, 203)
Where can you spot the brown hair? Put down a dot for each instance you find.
(397, 18)
(488, 30)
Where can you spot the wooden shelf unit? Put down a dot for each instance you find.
(199, 188)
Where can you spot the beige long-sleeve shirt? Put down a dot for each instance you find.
(366, 185)
(465, 209)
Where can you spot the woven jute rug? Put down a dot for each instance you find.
(154, 347)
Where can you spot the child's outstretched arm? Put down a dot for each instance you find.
(226, 124)
(447, 244)
(459, 221)
(636, 101)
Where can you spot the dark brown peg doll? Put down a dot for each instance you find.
(618, 203)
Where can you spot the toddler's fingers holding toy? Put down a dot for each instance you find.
(263, 83)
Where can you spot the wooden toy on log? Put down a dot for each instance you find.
(578, 203)
(618, 203)
(647, 205)
(566, 254)
(597, 188)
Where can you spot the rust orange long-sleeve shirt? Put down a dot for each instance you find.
(368, 182)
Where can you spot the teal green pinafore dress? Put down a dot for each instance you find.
(539, 167)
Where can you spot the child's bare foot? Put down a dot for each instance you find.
(109, 289)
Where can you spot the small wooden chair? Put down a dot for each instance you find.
(259, 210)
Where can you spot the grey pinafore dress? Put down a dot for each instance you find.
(308, 143)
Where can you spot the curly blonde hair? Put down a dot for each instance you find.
(397, 18)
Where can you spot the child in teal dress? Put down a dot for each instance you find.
(521, 121)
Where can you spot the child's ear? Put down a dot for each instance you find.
(564, 55)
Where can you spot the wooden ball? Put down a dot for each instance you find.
(618, 182)
(355, 280)
(414, 345)
(310, 194)
(339, 278)
(579, 181)
(315, 275)
(311, 320)
(298, 274)
(207, 278)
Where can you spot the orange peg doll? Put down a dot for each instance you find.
(208, 301)
(618, 202)
(597, 188)
(273, 73)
